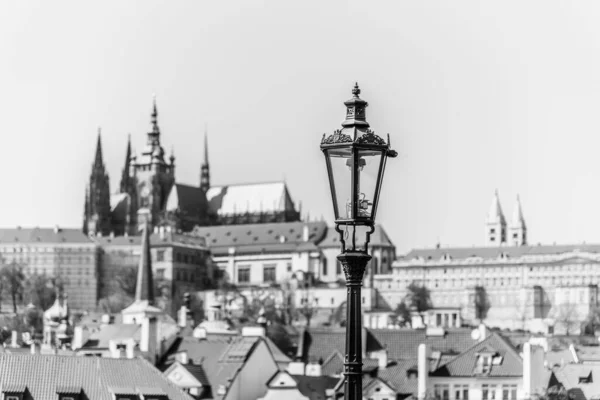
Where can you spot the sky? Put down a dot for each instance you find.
(476, 96)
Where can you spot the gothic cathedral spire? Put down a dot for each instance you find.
(205, 169)
(125, 174)
(97, 207)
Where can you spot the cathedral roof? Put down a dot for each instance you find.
(43, 235)
(517, 218)
(190, 200)
(249, 198)
(495, 214)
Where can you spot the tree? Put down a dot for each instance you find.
(13, 278)
(482, 303)
(567, 315)
(126, 281)
(419, 299)
(41, 291)
(402, 311)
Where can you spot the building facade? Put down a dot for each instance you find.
(507, 284)
(64, 254)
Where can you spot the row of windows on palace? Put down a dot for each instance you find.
(460, 283)
(269, 271)
(507, 299)
(488, 392)
(462, 270)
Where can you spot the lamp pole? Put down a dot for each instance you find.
(355, 157)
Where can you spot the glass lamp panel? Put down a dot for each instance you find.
(341, 161)
(369, 163)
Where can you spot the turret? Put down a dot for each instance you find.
(495, 224)
(205, 169)
(518, 228)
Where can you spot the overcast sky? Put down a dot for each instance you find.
(475, 96)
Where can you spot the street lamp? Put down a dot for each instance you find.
(355, 158)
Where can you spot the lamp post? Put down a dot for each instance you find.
(355, 158)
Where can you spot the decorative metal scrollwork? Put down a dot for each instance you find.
(370, 138)
(337, 137)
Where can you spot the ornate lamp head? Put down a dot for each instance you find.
(355, 158)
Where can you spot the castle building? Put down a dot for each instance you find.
(507, 283)
(149, 193)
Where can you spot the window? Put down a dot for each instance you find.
(442, 392)
(160, 255)
(484, 364)
(325, 266)
(269, 273)
(488, 392)
(244, 274)
(461, 392)
(509, 392)
(11, 397)
(160, 273)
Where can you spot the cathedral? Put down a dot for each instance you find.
(149, 193)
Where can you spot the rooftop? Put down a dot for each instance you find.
(97, 377)
(56, 235)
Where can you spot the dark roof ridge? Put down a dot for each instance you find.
(251, 184)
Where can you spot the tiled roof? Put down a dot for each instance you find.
(464, 364)
(402, 344)
(100, 338)
(97, 376)
(570, 374)
(379, 238)
(397, 378)
(43, 235)
(254, 238)
(197, 372)
(189, 200)
(277, 354)
(321, 343)
(156, 240)
(457, 253)
(314, 387)
(251, 198)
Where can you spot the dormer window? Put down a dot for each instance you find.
(586, 379)
(14, 391)
(484, 364)
(68, 392)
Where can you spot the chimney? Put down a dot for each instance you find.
(305, 233)
(161, 232)
(182, 357)
(200, 333)
(130, 349)
(14, 339)
(382, 359)
(155, 229)
(253, 331)
(183, 315)
(423, 373)
(482, 332)
(526, 371)
(574, 353)
(113, 349)
(33, 349)
(112, 234)
(56, 228)
(77, 338)
(313, 369)
(296, 368)
(149, 337)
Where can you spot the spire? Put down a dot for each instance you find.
(205, 145)
(125, 173)
(98, 161)
(153, 136)
(518, 220)
(495, 213)
(205, 168)
(144, 290)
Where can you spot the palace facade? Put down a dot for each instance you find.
(508, 283)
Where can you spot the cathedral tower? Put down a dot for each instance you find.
(518, 228)
(495, 224)
(153, 177)
(97, 219)
(204, 169)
